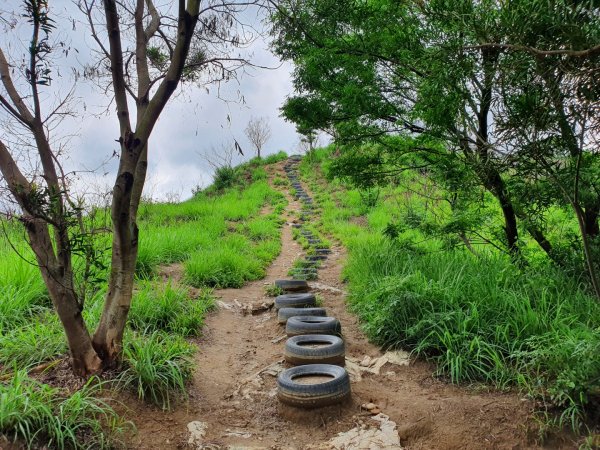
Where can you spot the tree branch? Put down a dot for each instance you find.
(587, 53)
(116, 62)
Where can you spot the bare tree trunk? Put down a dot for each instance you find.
(84, 359)
(489, 174)
(59, 281)
(108, 338)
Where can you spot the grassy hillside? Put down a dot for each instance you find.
(224, 236)
(477, 315)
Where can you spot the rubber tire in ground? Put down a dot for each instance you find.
(303, 300)
(312, 325)
(292, 285)
(332, 352)
(327, 393)
(285, 313)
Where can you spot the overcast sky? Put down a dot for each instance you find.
(193, 122)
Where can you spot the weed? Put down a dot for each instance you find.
(273, 291)
(280, 182)
(319, 300)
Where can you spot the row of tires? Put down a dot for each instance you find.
(314, 345)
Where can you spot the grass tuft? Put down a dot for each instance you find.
(157, 367)
(160, 307)
(37, 413)
(33, 344)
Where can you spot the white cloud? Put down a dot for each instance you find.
(193, 121)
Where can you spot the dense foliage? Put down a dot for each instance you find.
(488, 98)
(478, 316)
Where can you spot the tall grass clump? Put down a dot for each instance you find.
(481, 319)
(32, 344)
(476, 314)
(164, 307)
(22, 291)
(157, 367)
(244, 252)
(222, 267)
(38, 414)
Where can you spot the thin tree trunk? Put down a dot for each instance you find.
(491, 177)
(108, 338)
(542, 241)
(59, 281)
(84, 359)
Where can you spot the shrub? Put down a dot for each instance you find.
(224, 178)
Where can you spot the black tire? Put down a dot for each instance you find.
(292, 285)
(316, 258)
(284, 314)
(304, 300)
(301, 350)
(334, 390)
(313, 325)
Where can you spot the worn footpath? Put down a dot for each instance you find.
(232, 400)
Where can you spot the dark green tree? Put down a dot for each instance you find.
(478, 85)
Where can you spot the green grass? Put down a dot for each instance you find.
(37, 413)
(478, 318)
(223, 237)
(164, 307)
(30, 345)
(175, 233)
(240, 256)
(22, 291)
(157, 368)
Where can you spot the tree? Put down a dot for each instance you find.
(146, 52)
(450, 77)
(258, 132)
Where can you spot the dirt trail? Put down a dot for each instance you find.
(232, 397)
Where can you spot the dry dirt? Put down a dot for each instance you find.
(232, 399)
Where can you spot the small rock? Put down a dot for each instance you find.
(368, 406)
(375, 411)
(197, 431)
(366, 361)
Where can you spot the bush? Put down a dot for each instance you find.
(224, 178)
(157, 366)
